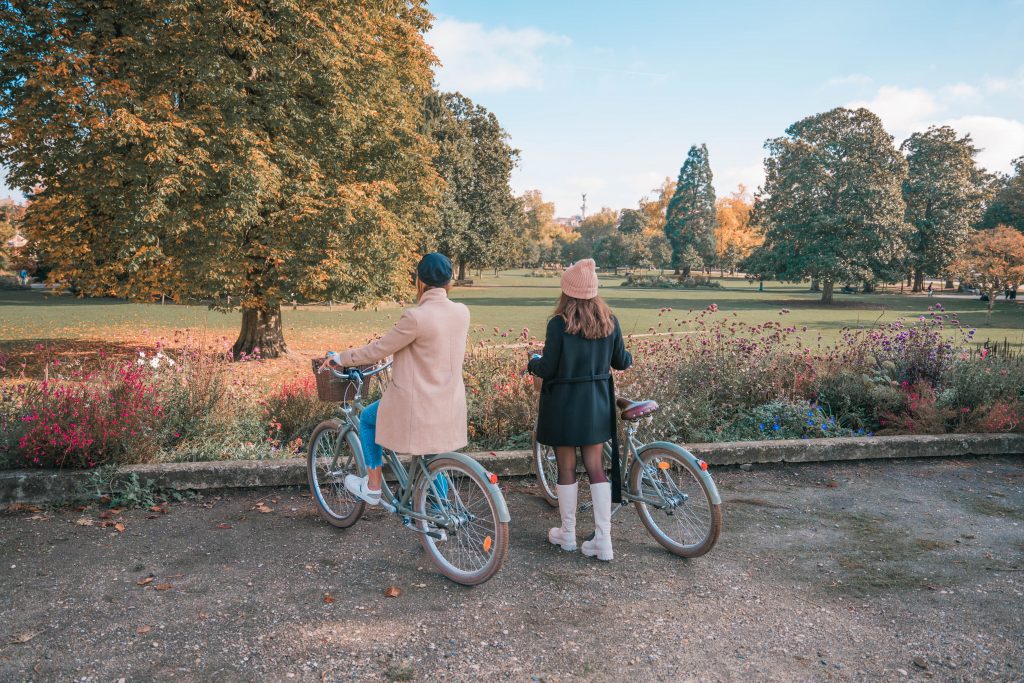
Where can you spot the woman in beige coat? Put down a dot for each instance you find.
(423, 410)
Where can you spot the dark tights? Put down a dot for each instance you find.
(592, 461)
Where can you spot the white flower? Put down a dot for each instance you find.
(142, 354)
(154, 363)
(170, 362)
(141, 362)
(159, 354)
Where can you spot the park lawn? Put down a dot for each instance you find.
(508, 302)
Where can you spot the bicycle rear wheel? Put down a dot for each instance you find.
(545, 466)
(327, 464)
(475, 541)
(679, 515)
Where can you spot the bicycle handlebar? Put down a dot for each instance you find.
(356, 375)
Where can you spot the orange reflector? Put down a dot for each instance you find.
(492, 477)
(487, 544)
(663, 465)
(703, 465)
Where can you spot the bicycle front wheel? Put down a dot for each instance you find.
(676, 505)
(545, 466)
(328, 462)
(473, 541)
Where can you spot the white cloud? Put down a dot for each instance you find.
(749, 175)
(900, 109)
(851, 79)
(475, 58)
(1000, 140)
(960, 91)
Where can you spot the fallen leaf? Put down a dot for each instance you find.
(263, 507)
(223, 526)
(119, 528)
(162, 587)
(116, 511)
(23, 507)
(107, 523)
(143, 629)
(39, 518)
(392, 591)
(145, 581)
(84, 521)
(920, 663)
(105, 500)
(274, 501)
(175, 576)
(106, 514)
(328, 599)
(23, 637)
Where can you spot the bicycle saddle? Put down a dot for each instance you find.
(634, 410)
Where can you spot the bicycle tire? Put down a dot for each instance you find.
(545, 468)
(494, 542)
(665, 537)
(349, 508)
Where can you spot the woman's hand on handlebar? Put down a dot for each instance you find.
(332, 358)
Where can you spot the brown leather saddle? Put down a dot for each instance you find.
(635, 410)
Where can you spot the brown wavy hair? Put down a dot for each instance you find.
(591, 318)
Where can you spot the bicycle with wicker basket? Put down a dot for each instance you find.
(448, 499)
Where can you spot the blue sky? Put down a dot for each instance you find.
(606, 97)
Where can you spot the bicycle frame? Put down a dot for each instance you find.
(402, 503)
(634, 447)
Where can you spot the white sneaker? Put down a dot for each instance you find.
(357, 487)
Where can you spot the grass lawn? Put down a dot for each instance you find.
(511, 301)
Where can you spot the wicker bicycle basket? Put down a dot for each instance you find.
(331, 389)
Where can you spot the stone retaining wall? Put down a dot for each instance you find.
(48, 486)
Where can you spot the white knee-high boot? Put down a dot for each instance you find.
(565, 535)
(601, 546)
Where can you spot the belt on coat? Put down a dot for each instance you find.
(613, 418)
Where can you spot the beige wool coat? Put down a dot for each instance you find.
(423, 410)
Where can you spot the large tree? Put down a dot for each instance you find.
(993, 261)
(1007, 206)
(238, 152)
(690, 217)
(832, 207)
(479, 218)
(944, 190)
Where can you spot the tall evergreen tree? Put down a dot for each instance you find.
(220, 149)
(943, 191)
(832, 205)
(691, 218)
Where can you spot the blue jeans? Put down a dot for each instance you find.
(374, 454)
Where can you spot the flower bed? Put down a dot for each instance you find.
(670, 282)
(717, 379)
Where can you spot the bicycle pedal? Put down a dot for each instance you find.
(388, 506)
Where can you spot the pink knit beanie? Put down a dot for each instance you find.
(580, 280)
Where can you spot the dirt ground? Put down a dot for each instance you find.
(863, 571)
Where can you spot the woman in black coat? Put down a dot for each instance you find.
(577, 402)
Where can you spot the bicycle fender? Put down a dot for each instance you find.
(499, 497)
(695, 462)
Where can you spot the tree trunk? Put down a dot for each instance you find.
(676, 271)
(949, 283)
(686, 271)
(815, 285)
(918, 281)
(991, 303)
(462, 270)
(869, 287)
(261, 334)
(826, 291)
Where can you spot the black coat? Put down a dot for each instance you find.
(576, 401)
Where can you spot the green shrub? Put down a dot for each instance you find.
(857, 400)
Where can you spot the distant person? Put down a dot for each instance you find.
(577, 402)
(930, 291)
(23, 277)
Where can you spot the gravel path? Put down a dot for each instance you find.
(865, 571)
